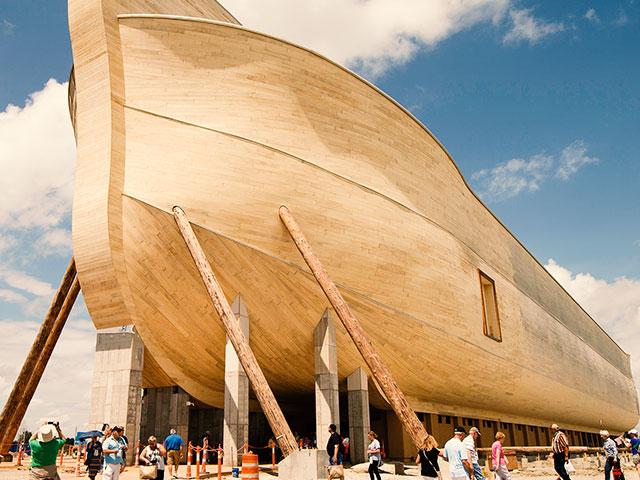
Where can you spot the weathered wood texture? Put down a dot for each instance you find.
(213, 107)
(379, 370)
(37, 358)
(259, 384)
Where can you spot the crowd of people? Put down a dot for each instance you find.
(461, 454)
(106, 452)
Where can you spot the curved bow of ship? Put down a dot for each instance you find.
(176, 104)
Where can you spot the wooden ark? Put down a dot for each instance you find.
(174, 103)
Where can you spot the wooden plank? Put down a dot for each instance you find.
(379, 369)
(270, 408)
(14, 409)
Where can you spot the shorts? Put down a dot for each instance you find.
(48, 472)
(173, 457)
(636, 459)
(111, 471)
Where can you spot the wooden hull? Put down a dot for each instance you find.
(230, 124)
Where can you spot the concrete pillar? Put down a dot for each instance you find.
(236, 393)
(116, 391)
(326, 361)
(164, 408)
(359, 421)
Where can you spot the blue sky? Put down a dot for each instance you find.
(537, 102)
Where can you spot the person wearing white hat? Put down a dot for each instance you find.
(560, 449)
(45, 445)
(610, 452)
(470, 444)
(634, 445)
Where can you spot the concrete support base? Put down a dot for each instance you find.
(359, 420)
(236, 393)
(327, 394)
(116, 391)
(164, 408)
(305, 464)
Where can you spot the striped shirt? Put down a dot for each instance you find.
(559, 443)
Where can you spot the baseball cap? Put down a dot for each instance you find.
(459, 430)
(633, 431)
(475, 429)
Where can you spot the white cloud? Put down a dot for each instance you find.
(614, 305)
(371, 36)
(518, 175)
(25, 282)
(572, 159)
(37, 158)
(508, 179)
(54, 241)
(64, 391)
(592, 16)
(622, 18)
(7, 28)
(11, 296)
(7, 242)
(527, 28)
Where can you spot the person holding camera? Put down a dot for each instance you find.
(153, 454)
(45, 445)
(114, 449)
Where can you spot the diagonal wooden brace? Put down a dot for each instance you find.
(379, 370)
(261, 388)
(36, 361)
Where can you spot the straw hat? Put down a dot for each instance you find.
(46, 433)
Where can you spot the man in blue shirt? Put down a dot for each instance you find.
(113, 450)
(174, 445)
(456, 454)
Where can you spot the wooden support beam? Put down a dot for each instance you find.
(12, 415)
(378, 368)
(275, 417)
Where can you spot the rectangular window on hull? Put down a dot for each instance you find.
(490, 317)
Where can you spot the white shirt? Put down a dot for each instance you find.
(155, 457)
(455, 452)
(374, 445)
(470, 444)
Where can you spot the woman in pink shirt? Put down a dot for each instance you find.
(499, 461)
